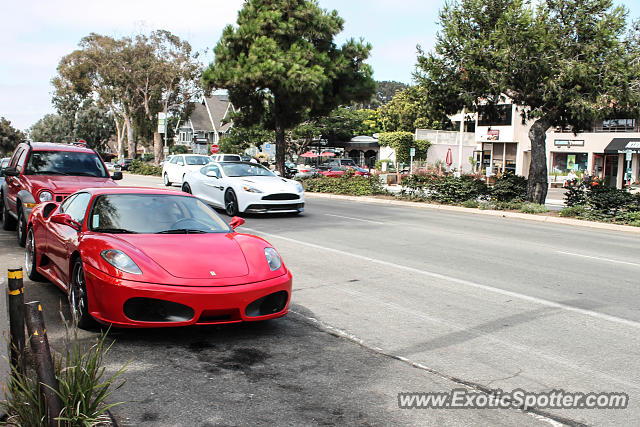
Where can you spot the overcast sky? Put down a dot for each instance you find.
(34, 36)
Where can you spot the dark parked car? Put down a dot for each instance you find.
(124, 164)
(333, 163)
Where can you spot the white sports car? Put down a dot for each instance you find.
(244, 187)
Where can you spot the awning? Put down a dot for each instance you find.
(621, 145)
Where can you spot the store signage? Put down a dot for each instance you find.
(628, 156)
(631, 147)
(493, 135)
(561, 142)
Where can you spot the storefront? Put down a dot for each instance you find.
(622, 161)
(499, 157)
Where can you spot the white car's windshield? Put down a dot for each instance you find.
(197, 160)
(245, 169)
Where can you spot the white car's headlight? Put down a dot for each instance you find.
(251, 189)
(121, 261)
(45, 196)
(299, 187)
(273, 259)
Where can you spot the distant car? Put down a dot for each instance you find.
(244, 187)
(305, 171)
(41, 172)
(4, 162)
(180, 164)
(226, 158)
(124, 164)
(338, 171)
(245, 158)
(112, 167)
(331, 163)
(143, 257)
(166, 160)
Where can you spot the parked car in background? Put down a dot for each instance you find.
(166, 160)
(112, 167)
(44, 172)
(4, 162)
(338, 171)
(124, 164)
(180, 164)
(142, 257)
(290, 170)
(331, 163)
(305, 171)
(244, 187)
(245, 158)
(226, 158)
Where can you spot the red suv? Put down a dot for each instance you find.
(43, 172)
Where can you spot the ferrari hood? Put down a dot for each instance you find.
(193, 256)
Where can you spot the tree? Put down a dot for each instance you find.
(52, 128)
(95, 125)
(412, 108)
(282, 67)
(10, 137)
(402, 142)
(562, 60)
(240, 138)
(386, 90)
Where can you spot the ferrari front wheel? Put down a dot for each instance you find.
(78, 301)
(30, 257)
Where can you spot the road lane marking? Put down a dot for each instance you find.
(467, 283)
(356, 219)
(600, 258)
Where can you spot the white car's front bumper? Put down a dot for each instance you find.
(270, 202)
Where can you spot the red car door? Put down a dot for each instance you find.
(62, 239)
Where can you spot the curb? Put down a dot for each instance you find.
(503, 214)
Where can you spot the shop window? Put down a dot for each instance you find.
(618, 125)
(510, 152)
(562, 163)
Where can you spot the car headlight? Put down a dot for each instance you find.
(121, 261)
(45, 196)
(299, 187)
(251, 189)
(273, 259)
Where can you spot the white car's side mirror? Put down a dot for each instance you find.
(277, 173)
(212, 174)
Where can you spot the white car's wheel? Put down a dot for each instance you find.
(166, 180)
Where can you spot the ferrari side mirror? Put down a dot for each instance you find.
(236, 222)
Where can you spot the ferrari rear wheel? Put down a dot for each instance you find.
(186, 188)
(30, 257)
(166, 180)
(78, 301)
(230, 203)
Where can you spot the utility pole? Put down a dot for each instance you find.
(460, 142)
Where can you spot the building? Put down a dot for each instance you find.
(206, 124)
(503, 145)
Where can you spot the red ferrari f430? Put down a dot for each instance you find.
(133, 257)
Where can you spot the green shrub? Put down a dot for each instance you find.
(575, 194)
(141, 168)
(179, 149)
(509, 187)
(631, 218)
(608, 200)
(470, 203)
(487, 206)
(83, 388)
(509, 206)
(533, 208)
(446, 189)
(346, 184)
(573, 211)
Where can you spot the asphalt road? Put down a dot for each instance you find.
(390, 299)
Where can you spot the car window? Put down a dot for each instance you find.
(231, 158)
(77, 207)
(65, 204)
(197, 160)
(21, 159)
(245, 169)
(210, 168)
(65, 163)
(348, 162)
(14, 158)
(175, 160)
(154, 213)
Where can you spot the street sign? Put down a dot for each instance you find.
(161, 129)
(412, 152)
(267, 146)
(215, 148)
(162, 116)
(628, 156)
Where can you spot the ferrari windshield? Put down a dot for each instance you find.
(65, 163)
(154, 214)
(245, 169)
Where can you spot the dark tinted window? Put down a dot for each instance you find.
(65, 163)
(154, 213)
(494, 115)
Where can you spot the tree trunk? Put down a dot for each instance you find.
(158, 153)
(131, 142)
(538, 178)
(280, 140)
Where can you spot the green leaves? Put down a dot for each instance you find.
(10, 137)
